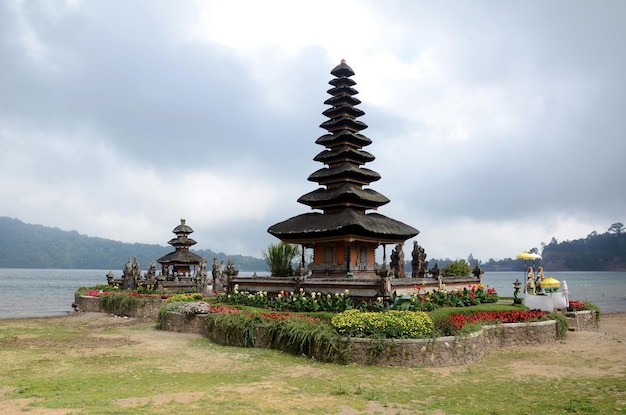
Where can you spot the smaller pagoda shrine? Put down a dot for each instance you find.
(182, 271)
(180, 262)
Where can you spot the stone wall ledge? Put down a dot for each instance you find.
(442, 351)
(145, 309)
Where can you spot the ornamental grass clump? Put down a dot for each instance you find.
(392, 324)
(298, 334)
(120, 304)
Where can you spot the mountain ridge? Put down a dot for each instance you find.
(25, 245)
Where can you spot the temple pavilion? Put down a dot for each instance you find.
(343, 233)
(181, 261)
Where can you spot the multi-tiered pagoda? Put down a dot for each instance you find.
(181, 260)
(344, 235)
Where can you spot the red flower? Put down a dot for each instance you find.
(459, 320)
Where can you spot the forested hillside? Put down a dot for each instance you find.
(35, 246)
(596, 252)
(604, 252)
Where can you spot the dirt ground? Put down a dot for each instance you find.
(607, 347)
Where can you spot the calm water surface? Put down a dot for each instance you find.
(50, 292)
(607, 290)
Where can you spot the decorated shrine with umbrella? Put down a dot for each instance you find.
(546, 299)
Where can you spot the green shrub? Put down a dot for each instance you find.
(185, 297)
(392, 324)
(458, 268)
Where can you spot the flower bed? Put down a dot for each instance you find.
(414, 300)
(459, 320)
(391, 325)
(314, 339)
(396, 338)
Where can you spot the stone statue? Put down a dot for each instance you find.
(435, 271)
(230, 269)
(201, 277)
(397, 261)
(419, 266)
(128, 276)
(478, 272)
(218, 273)
(110, 278)
(151, 273)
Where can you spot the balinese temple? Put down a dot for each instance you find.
(181, 261)
(344, 234)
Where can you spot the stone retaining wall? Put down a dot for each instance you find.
(145, 309)
(442, 351)
(446, 351)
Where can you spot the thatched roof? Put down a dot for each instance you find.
(312, 226)
(180, 257)
(183, 228)
(342, 172)
(345, 194)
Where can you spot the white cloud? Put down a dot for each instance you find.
(495, 126)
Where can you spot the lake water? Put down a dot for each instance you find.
(50, 292)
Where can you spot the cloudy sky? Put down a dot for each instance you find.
(495, 125)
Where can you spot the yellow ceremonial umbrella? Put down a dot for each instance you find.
(550, 284)
(526, 256)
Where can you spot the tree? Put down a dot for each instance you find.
(279, 257)
(617, 228)
(458, 268)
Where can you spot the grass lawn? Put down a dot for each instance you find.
(99, 364)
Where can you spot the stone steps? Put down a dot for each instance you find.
(573, 324)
